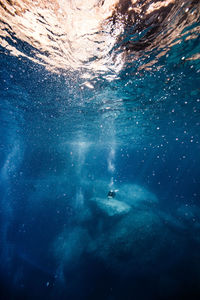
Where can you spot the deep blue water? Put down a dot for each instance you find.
(64, 146)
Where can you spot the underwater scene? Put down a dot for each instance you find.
(100, 149)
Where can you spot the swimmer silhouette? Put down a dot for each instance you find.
(111, 194)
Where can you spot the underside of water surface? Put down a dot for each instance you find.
(100, 150)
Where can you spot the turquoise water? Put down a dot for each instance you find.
(70, 135)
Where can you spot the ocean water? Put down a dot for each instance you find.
(96, 97)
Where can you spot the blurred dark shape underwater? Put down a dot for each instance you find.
(99, 96)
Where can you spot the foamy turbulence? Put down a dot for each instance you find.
(96, 37)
